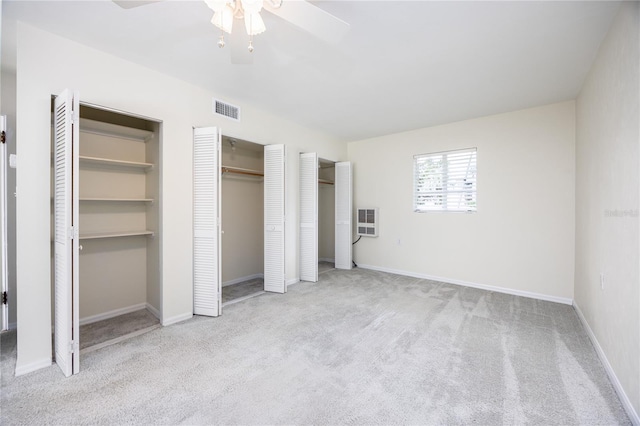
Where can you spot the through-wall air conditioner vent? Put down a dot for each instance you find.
(226, 109)
(368, 222)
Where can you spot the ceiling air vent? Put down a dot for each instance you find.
(225, 109)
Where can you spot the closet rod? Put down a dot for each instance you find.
(240, 171)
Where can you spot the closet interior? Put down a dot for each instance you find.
(119, 226)
(242, 211)
(326, 215)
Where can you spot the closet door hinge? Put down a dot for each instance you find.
(4, 297)
(73, 233)
(73, 346)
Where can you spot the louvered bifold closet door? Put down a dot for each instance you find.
(274, 178)
(343, 185)
(309, 217)
(206, 222)
(66, 254)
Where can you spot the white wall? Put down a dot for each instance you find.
(46, 65)
(607, 199)
(521, 238)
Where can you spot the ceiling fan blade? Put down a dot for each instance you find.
(130, 4)
(310, 18)
(238, 43)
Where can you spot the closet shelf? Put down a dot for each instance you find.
(97, 235)
(117, 163)
(240, 171)
(114, 130)
(118, 200)
(325, 181)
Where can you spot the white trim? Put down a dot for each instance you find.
(626, 403)
(529, 294)
(242, 279)
(153, 310)
(13, 325)
(327, 259)
(29, 368)
(177, 319)
(292, 281)
(116, 312)
(4, 273)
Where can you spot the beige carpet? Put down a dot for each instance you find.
(358, 347)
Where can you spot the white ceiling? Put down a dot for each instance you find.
(402, 65)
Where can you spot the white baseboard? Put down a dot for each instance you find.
(153, 310)
(292, 281)
(177, 319)
(31, 367)
(529, 294)
(13, 325)
(327, 259)
(626, 403)
(111, 314)
(242, 279)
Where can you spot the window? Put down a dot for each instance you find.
(445, 181)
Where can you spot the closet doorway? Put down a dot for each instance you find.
(242, 215)
(232, 181)
(325, 216)
(106, 227)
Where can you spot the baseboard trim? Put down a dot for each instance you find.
(31, 367)
(327, 259)
(176, 319)
(242, 279)
(529, 294)
(155, 312)
(626, 403)
(116, 312)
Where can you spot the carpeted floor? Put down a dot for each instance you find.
(241, 290)
(117, 327)
(325, 266)
(358, 347)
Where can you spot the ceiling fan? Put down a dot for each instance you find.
(230, 14)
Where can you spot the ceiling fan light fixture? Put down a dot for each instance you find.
(223, 19)
(254, 24)
(251, 6)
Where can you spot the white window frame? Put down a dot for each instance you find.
(451, 181)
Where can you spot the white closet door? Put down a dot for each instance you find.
(309, 217)
(206, 222)
(66, 209)
(343, 216)
(274, 171)
(3, 224)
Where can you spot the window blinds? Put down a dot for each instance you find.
(445, 181)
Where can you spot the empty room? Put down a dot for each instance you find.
(320, 212)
